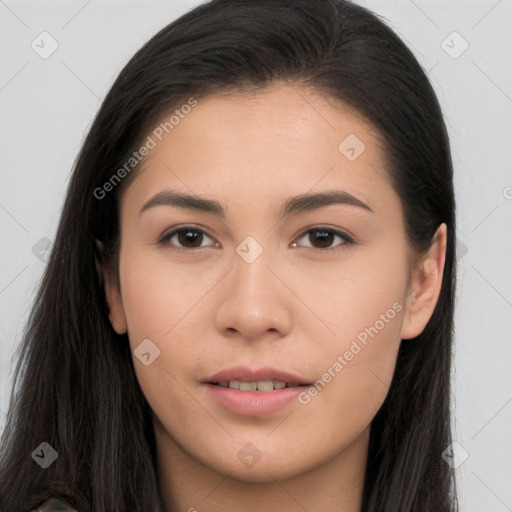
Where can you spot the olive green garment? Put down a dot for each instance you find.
(54, 505)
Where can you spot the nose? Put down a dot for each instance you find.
(255, 302)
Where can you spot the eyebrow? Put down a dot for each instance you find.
(302, 203)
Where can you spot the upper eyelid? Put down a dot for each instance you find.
(174, 230)
(346, 237)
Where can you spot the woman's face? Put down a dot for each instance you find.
(268, 276)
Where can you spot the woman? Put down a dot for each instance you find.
(249, 302)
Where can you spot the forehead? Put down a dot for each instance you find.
(283, 140)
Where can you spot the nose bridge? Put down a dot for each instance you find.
(252, 278)
(251, 267)
(259, 260)
(255, 301)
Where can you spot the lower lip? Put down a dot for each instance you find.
(253, 403)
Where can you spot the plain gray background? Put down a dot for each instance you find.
(47, 105)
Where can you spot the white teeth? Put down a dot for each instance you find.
(260, 385)
(265, 385)
(247, 386)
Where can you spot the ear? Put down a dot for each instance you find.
(114, 302)
(425, 287)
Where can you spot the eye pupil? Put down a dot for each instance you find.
(190, 236)
(324, 237)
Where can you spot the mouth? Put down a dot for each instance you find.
(263, 386)
(253, 392)
(263, 379)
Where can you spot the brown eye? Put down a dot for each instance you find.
(324, 238)
(185, 238)
(190, 237)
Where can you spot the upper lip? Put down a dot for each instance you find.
(255, 374)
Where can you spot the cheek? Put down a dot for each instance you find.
(360, 296)
(361, 306)
(159, 296)
(155, 311)
(354, 372)
(168, 306)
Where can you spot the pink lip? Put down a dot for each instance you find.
(253, 403)
(248, 374)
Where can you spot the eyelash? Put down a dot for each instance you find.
(165, 239)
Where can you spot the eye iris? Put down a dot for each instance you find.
(187, 236)
(323, 237)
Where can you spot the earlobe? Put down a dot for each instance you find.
(114, 302)
(425, 287)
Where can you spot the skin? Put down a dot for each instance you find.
(294, 307)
